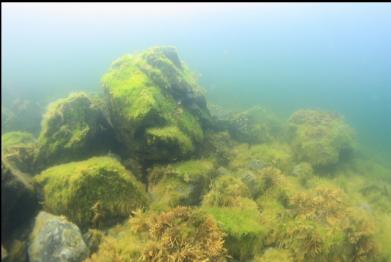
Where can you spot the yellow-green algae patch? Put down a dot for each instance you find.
(91, 193)
(180, 234)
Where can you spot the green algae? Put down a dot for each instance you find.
(72, 128)
(155, 104)
(91, 193)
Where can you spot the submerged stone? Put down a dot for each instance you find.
(55, 239)
(93, 193)
(156, 107)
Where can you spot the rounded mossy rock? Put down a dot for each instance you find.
(156, 106)
(93, 193)
(19, 149)
(237, 215)
(73, 128)
(320, 138)
(182, 183)
(179, 234)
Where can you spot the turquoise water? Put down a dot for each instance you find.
(335, 57)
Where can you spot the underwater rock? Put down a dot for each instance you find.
(18, 199)
(73, 128)
(182, 183)
(254, 126)
(156, 106)
(320, 138)
(55, 239)
(179, 234)
(19, 149)
(93, 193)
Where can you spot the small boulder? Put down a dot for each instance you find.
(55, 239)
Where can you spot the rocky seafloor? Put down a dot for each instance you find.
(150, 171)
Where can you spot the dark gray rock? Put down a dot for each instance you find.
(55, 239)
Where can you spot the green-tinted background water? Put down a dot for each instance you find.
(283, 56)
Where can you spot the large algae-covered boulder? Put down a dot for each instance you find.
(18, 199)
(320, 138)
(156, 106)
(179, 234)
(95, 192)
(182, 183)
(55, 239)
(72, 128)
(19, 149)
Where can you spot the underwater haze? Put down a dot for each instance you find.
(196, 132)
(284, 56)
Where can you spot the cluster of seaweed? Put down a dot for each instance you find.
(149, 174)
